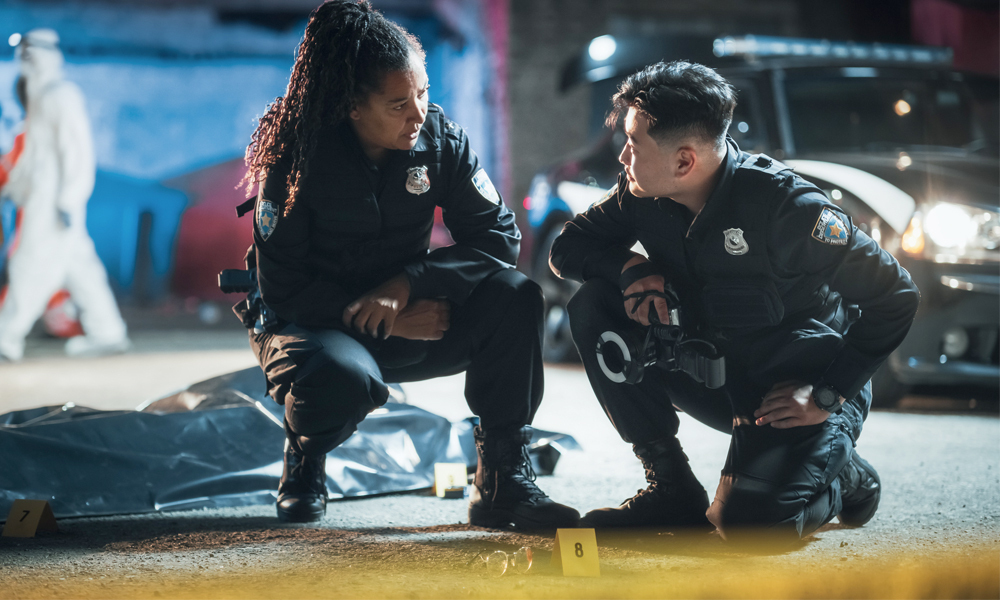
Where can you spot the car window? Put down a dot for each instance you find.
(872, 113)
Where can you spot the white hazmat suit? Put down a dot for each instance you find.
(51, 184)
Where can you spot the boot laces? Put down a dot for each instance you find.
(649, 493)
(309, 473)
(525, 476)
(522, 476)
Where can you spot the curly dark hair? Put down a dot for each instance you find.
(679, 98)
(347, 49)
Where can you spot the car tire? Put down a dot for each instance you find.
(557, 345)
(887, 390)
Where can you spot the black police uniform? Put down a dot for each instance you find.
(353, 227)
(770, 271)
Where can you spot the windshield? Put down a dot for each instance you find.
(835, 112)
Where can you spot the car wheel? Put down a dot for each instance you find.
(557, 345)
(887, 390)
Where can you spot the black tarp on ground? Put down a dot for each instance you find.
(217, 443)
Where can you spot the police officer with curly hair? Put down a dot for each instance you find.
(768, 271)
(351, 164)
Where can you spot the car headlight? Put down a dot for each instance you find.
(953, 233)
(950, 226)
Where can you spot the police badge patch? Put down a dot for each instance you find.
(267, 218)
(830, 229)
(417, 181)
(482, 182)
(735, 244)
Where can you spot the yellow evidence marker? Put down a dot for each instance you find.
(575, 552)
(449, 475)
(27, 517)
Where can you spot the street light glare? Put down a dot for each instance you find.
(601, 48)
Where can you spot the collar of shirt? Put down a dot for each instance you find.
(722, 192)
(352, 145)
(376, 175)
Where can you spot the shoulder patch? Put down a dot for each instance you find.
(611, 193)
(485, 187)
(831, 229)
(266, 216)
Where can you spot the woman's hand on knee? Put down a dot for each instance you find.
(423, 320)
(789, 404)
(376, 312)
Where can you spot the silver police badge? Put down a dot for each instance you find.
(417, 181)
(735, 244)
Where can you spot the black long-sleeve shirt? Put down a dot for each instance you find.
(354, 226)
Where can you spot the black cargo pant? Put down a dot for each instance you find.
(784, 480)
(329, 380)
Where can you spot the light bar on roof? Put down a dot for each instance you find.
(806, 48)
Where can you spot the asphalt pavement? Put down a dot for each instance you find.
(940, 471)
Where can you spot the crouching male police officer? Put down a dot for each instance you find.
(767, 270)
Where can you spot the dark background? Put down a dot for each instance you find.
(547, 124)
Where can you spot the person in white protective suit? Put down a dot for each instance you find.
(51, 184)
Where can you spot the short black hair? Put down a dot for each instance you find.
(680, 99)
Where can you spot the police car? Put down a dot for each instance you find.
(905, 144)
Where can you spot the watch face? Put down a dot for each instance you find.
(826, 398)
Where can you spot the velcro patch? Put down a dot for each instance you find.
(831, 229)
(482, 182)
(266, 217)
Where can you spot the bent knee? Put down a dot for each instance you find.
(513, 291)
(596, 304)
(747, 508)
(332, 395)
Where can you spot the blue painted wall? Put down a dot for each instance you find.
(170, 91)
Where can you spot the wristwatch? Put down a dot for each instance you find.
(826, 397)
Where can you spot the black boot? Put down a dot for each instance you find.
(860, 490)
(505, 493)
(302, 491)
(674, 497)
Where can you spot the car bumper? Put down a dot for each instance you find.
(956, 300)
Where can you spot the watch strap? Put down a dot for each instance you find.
(821, 392)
